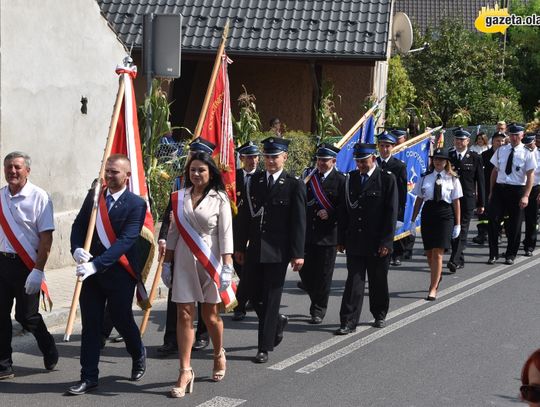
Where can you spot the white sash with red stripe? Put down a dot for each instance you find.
(107, 236)
(201, 250)
(318, 191)
(18, 241)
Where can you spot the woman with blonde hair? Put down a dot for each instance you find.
(439, 190)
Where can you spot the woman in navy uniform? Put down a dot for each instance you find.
(439, 189)
(273, 221)
(323, 202)
(366, 228)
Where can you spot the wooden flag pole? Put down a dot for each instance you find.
(152, 295)
(346, 138)
(93, 215)
(414, 140)
(211, 84)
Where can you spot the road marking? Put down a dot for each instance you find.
(222, 402)
(391, 315)
(310, 368)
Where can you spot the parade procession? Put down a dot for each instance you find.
(176, 239)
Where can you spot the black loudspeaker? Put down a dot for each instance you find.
(162, 43)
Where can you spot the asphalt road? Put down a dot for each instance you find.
(465, 349)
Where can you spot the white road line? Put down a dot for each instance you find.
(222, 402)
(391, 315)
(310, 368)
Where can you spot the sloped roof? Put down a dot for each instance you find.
(353, 29)
(429, 13)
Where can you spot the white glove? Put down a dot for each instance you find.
(412, 229)
(399, 224)
(81, 256)
(33, 281)
(456, 231)
(85, 270)
(166, 275)
(225, 277)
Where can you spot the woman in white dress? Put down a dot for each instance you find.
(204, 205)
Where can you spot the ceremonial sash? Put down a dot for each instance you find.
(318, 191)
(201, 250)
(20, 243)
(107, 236)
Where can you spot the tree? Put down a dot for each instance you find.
(401, 93)
(459, 72)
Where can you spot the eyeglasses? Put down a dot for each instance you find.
(530, 393)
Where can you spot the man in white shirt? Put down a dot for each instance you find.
(26, 229)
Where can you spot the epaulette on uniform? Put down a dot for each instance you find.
(426, 173)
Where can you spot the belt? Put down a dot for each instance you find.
(10, 255)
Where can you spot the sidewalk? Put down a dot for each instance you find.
(61, 284)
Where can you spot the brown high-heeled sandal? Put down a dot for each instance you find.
(219, 374)
(177, 392)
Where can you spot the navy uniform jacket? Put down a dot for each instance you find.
(399, 169)
(278, 235)
(127, 219)
(470, 170)
(488, 168)
(324, 232)
(368, 217)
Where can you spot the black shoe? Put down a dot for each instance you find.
(301, 286)
(396, 262)
(528, 252)
(138, 368)
(103, 342)
(479, 240)
(51, 358)
(492, 260)
(379, 323)
(509, 261)
(315, 320)
(238, 316)
(200, 344)
(430, 298)
(261, 357)
(452, 266)
(282, 323)
(118, 338)
(168, 349)
(345, 330)
(82, 387)
(7, 373)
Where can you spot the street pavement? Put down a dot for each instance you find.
(465, 349)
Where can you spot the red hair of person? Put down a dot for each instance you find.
(533, 359)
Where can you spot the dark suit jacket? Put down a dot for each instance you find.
(367, 220)
(488, 168)
(470, 170)
(324, 232)
(127, 219)
(279, 236)
(399, 169)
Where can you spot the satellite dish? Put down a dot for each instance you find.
(402, 33)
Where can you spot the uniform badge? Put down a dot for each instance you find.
(438, 182)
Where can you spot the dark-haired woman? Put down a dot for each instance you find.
(530, 380)
(203, 208)
(439, 190)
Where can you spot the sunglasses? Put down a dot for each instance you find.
(530, 393)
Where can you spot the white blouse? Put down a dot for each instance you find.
(451, 187)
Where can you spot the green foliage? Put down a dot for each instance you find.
(249, 121)
(327, 118)
(159, 169)
(401, 94)
(460, 72)
(524, 42)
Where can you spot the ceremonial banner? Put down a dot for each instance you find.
(365, 134)
(416, 158)
(128, 141)
(217, 128)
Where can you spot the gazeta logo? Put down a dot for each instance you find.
(493, 20)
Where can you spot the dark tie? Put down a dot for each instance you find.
(437, 192)
(459, 157)
(321, 176)
(509, 163)
(247, 178)
(364, 178)
(270, 182)
(383, 164)
(109, 200)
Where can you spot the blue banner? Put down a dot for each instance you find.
(416, 158)
(365, 134)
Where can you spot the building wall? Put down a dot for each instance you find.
(52, 52)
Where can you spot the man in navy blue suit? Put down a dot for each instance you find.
(107, 276)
